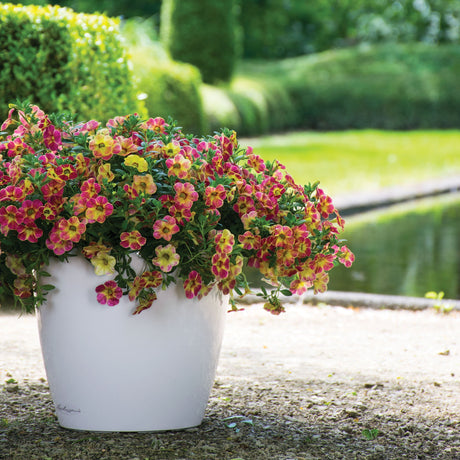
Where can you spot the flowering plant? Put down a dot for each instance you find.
(194, 209)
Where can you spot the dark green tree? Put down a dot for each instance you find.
(203, 33)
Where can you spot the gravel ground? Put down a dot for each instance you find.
(318, 382)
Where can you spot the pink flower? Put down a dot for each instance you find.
(215, 196)
(185, 195)
(98, 209)
(178, 166)
(193, 284)
(166, 258)
(165, 228)
(133, 240)
(109, 293)
(52, 138)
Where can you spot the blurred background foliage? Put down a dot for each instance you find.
(273, 65)
(273, 29)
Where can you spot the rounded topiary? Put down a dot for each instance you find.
(202, 33)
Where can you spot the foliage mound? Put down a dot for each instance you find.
(384, 87)
(64, 61)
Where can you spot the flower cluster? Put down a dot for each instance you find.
(198, 211)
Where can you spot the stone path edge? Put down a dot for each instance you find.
(358, 203)
(362, 300)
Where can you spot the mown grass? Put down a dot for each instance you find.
(363, 161)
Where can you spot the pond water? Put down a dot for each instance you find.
(404, 250)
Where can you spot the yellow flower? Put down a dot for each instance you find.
(105, 172)
(103, 264)
(137, 162)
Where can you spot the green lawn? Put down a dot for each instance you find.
(363, 161)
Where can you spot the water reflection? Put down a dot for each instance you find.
(407, 250)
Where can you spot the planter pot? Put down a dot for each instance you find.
(111, 371)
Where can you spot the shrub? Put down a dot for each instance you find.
(251, 105)
(172, 89)
(202, 33)
(63, 61)
(383, 86)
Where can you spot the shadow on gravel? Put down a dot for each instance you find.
(252, 420)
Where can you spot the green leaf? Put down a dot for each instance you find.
(371, 434)
(47, 287)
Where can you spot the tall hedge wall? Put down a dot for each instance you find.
(61, 60)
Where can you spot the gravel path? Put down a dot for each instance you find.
(315, 383)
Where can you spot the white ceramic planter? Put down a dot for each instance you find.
(111, 371)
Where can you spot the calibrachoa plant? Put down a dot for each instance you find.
(196, 210)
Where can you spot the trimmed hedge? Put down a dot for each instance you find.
(171, 89)
(383, 86)
(386, 87)
(61, 60)
(202, 33)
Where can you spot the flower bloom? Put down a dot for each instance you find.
(224, 241)
(104, 146)
(13, 262)
(144, 184)
(23, 286)
(346, 257)
(170, 149)
(52, 189)
(10, 218)
(94, 249)
(299, 286)
(52, 138)
(135, 161)
(220, 265)
(90, 188)
(135, 287)
(12, 193)
(109, 293)
(17, 147)
(57, 245)
(244, 205)
(157, 124)
(324, 205)
(145, 303)
(215, 196)
(249, 240)
(185, 194)
(152, 279)
(133, 240)
(166, 258)
(105, 172)
(165, 228)
(127, 146)
(71, 229)
(65, 172)
(181, 214)
(178, 166)
(320, 282)
(323, 262)
(103, 263)
(98, 209)
(256, 162)
(282, 235)
(193, 284)
(29, 232)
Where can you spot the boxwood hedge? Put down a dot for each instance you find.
(61, 60)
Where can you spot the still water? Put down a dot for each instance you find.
(404, 250)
